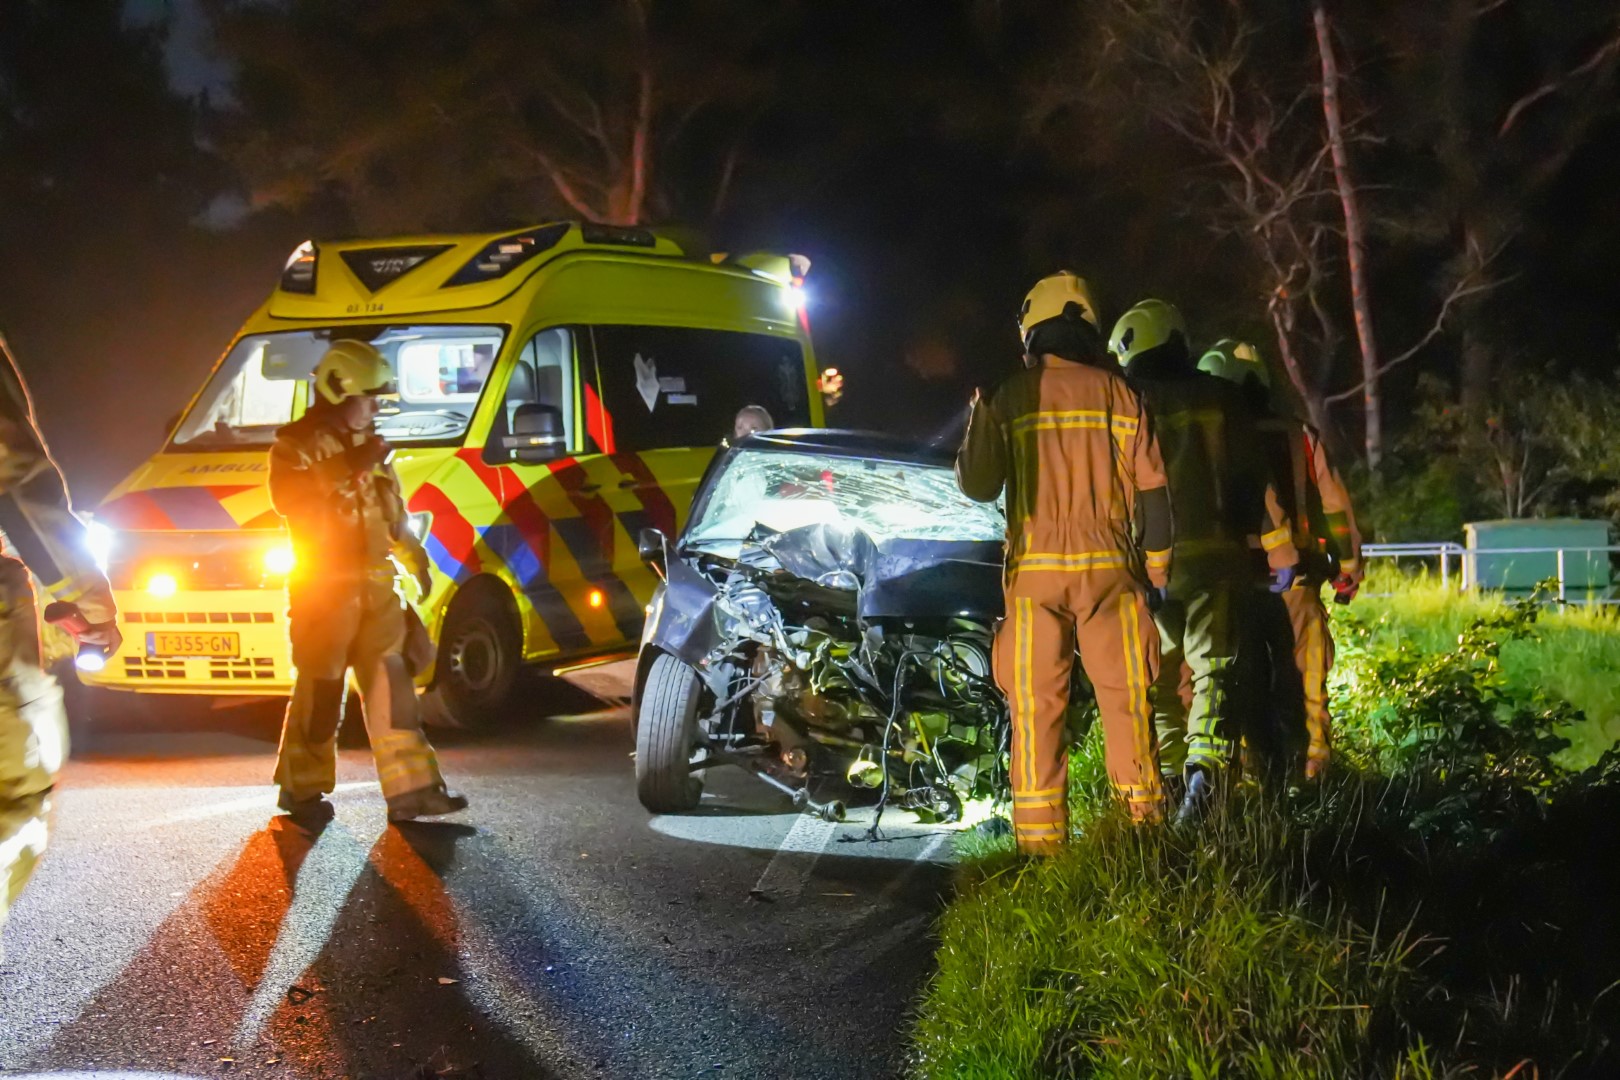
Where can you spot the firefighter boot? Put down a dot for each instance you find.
(1199, 799)
(425, 802)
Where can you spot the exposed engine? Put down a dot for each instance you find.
(826, 663)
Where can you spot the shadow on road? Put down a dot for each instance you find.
(307, 951)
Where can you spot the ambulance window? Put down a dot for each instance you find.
(660, 386)
(543, 374)
(264, 383)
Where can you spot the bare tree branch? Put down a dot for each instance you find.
(1604, 52)
(1459, 292)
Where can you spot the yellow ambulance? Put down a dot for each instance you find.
(559, 389)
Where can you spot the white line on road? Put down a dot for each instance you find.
(262, 800)
(784, 878)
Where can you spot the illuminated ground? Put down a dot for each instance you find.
(177, 928)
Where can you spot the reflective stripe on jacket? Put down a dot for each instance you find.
(1077, 456)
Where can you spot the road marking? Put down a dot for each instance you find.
(924, 855)
(319, 894)
(260, 801)
(784, 878)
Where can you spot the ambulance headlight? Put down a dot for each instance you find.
(419, 525)
(99, 539)
(280, 560)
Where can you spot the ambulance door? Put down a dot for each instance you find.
(553, 531)
(659, 403)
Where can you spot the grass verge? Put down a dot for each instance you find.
(1440, 908)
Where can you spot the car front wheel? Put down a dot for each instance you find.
(666, 736)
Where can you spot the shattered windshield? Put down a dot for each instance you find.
(266, 382)
(887, 500)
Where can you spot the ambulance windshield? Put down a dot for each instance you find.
(265, 382)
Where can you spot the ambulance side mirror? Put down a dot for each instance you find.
(537, 434)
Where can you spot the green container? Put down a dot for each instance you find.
(1586, 573)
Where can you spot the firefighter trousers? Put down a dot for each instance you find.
(1267, 698)
(33, 737)
(361, 627)
(1197, 648)
(1049, 614)
(1313, 656)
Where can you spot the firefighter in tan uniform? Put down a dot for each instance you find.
(1222, 496)
(1088, 519)
(38, 522)
(1317, 503)
(331, 479)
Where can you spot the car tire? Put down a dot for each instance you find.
(479, 656)
(666, 733)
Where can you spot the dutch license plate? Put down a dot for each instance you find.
(183, 643)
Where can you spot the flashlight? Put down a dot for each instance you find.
(68, 617)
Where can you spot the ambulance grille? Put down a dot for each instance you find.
(145, 667)
(192, 617)
(258, 667)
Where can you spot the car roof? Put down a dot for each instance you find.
(840, 442)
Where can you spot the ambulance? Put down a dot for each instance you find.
(560, 389)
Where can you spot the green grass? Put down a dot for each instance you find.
(1575, 652)
(1448, 916)
(1142, 952)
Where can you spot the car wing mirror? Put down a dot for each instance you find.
(652, 545)
(537, 434)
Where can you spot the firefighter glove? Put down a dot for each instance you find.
(368, 455)
(1345, 587)
(1157, 597)
(1283, 579)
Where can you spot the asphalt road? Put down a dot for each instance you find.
(179, 927)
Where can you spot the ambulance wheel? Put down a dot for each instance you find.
(666, 735)
(480, 652)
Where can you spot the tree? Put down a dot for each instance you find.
(1488, 103)
(461, 113)
(1234, 86)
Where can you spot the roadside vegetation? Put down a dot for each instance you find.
(1440, 907)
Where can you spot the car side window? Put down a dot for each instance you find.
(542, 375)
(657, 387)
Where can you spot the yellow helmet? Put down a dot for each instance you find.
(1146, 326)
(350, 368)
(1059, 295)
(1235, 361)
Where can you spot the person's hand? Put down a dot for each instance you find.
(368, 455)
(1315, 766)
(1283, 579)
(1157, 597)
(104, 636)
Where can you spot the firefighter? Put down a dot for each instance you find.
(331, 479)
(39, 525)
(1088, 540)
(1315, 499)
(1221, 497)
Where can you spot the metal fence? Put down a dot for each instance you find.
(1444, 552)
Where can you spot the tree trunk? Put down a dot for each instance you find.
(1354, 239)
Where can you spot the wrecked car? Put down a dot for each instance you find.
(828, 610)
